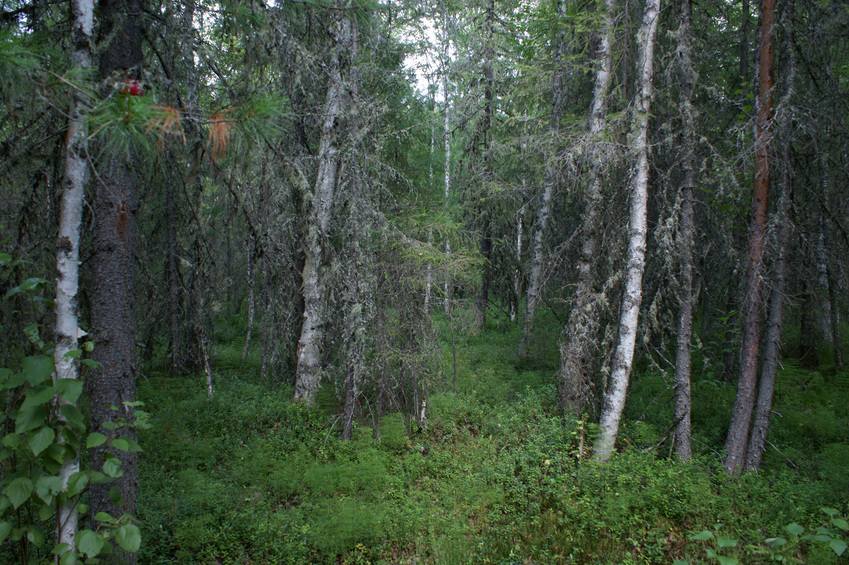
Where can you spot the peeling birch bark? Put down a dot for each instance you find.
(614, 399)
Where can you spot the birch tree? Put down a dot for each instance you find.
(614, 400)
(68, 252)
(337, 109)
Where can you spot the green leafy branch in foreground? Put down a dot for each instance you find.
(43, 429)
(780, 549)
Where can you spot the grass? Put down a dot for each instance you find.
(247, 477)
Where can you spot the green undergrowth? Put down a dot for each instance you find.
(497, 476)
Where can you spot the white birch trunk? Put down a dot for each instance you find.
(614, 400)
(67, 254)
(308, 372)
(446, 48)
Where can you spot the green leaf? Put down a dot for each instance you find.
(840, 523)
(39, 395)
(72, 354)
(74, 417)
(89, 543)
(45, 512)
(90, 363)
(68, 558)
(12, 440)
(121, 443)
(115, 496)
(794, 529)
(15, 381)
(776, 542)
(77, 483)
(33, 283)
(57, 452)
(18, 491)
(95, 439)
(727, 560)
(35, 537)
(111, 426)
(726, 542)
(702, 536)
(105, 517)
(12, 292)
(5, 530)
(829, 511)
(70, 389)
(41, 439)
(838, 546)
(128, 537)
(37, 368)
(112, 467)
(30, 418)
(46, 487)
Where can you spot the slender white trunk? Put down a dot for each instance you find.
(446, 47)
(517, 274)
(614, 400)
(67, 254)
(308, 372)
(429, 284)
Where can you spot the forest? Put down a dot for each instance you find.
(424, 282)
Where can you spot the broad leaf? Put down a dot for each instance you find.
(89, 543)
(77, 483)
(41, 439)
(46, 487)
(18, 491)
(128, 537)
(37, 368)
(838, 546)
(39, 395)
(112, 467)
(794, 529)
(95, 439)
(5, 530)
(726, 542)
(70, 389)
(702, 536)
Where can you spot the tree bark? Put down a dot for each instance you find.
(772, 347)
(114, 246)
(550, 184)
(337, 107)
(614, 400)
(68, 254)
(582, 325)
(686, 228)
(173, 283)
(251, 302)
(738, 432)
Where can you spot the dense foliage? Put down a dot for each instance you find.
(498, 281)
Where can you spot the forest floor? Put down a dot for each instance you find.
(496, 476)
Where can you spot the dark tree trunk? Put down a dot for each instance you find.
(685, 244)
(175, 314)
(113, 319)
(738, 432)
